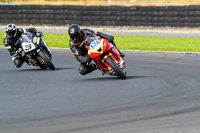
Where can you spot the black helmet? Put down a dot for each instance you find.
(11, 30)
(75, 33)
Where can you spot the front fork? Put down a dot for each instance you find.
(29, 58)
(33, 59)
(113, 58)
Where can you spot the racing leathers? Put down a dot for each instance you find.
(80, 51)
(12, 44)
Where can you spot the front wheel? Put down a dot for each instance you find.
(46, 60)
(115, 68)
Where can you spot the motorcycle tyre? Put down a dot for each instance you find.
(114, 66)
(49, 63)
(43, 67)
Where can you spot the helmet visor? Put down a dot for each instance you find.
(11, 33)
(76, 37)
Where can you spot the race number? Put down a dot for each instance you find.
(95, 44)
(27, 47)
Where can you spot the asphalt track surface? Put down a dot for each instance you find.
(160, 95)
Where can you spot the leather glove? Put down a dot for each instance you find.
(110, 38)
(39, 33)
(18, 52)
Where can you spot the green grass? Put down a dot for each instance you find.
(158, 43)
(132, 43)
(56, 40)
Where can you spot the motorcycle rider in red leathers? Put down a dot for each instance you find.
(78, 35)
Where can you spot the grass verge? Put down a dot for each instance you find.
(132, 43)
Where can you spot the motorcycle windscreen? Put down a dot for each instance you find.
(26, 37)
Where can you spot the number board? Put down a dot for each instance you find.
(95, 44)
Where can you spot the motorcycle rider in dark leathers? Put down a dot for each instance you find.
(11, 42)
(78, 35)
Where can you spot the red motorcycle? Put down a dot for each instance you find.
(106, 56)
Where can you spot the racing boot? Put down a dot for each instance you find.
(18, 62)
(93, 66)
(85, 69)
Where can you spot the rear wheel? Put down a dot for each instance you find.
(46, 60)
(115, 68)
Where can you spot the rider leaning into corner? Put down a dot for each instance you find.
(11, 42)
(78, 35)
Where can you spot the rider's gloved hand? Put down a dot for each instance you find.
(110, 38)
(39, 33)
(18, 52)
